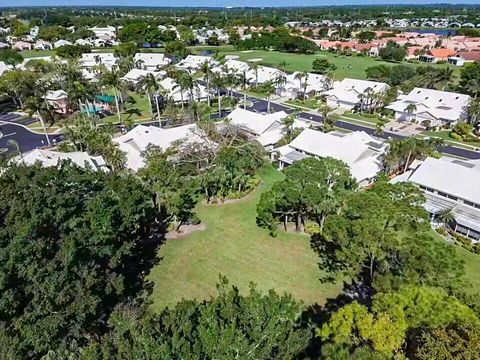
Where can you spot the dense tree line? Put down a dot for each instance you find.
(278, 40)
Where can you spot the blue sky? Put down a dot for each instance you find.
(220, 3)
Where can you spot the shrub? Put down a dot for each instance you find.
(442, 231)
(312, 228)
(455, 136)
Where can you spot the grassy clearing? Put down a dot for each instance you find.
(141, 103)
(234, 246)
(366, 118)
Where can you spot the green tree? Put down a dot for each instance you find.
(392, 52)
(230, 325)
(469, 75)
(126, 50)
(177, 48)
(71, 245)
(379, 239)
(403, 151)
(322, 66)
(312, 189)
(11, 57)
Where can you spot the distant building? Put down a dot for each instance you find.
(151, 61)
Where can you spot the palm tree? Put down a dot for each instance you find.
(324, 110)
(269, 90)
(254, 67)
(288, 122)
(112, 79)
(473, 86)
(473, 111)
(444, 76)
(243, 80)
(16, 145)
(150, 85)
(299, 76)
(218, 83)
(445, 216)
(305, 84)
(206, 71)
(410, 110)
(36, 104)
(187, 82)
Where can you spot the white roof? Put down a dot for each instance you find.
(348, 90)
(440, 104)
(236, 66)
(174, 92)
(92, 59)
(460, 178)
(193, 62)
(53, 158)
(60, 43)
(152, 59)
(315, 82)
(255, 122)
(264, 73)
(139, 138)
(358, 150)
(56, 95)
(137, 74)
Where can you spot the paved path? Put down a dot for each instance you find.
(260, 105)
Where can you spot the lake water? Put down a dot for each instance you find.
(441, 32)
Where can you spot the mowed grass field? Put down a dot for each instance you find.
(234, 246)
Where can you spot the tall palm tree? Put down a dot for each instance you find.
(445, 216)
(150, 85)
(254, 66)
(410, 110)
(37, 105)
(299, 76)
(243, 80)
(269, 89)
(16, 145)
(305, 84)
(206, 71)
(218, 84)
(187, 82)
(288, 122)
(444, 76)
(473, 111)
(112, 79)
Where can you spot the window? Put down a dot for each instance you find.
(442, 194)
(469, 203)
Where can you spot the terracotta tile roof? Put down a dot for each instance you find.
(442, 53)
(470, 55)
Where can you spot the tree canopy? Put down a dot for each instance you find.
(71, 249)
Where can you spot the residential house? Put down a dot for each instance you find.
(174, 92)
(43, 45)
(267, 129)
(436, 55)
(22, 46)
(58, 100)
(136, 141)
(4, 45)
(83, 42)
(462, 57)
(306, 86)
(351, 93)
(194, 62)
(61, 43)
(151, 61)
(3, 68)
(48, 158)
(263, 74)
(362, 153)
(136, 75)
(439, 108)
(105, 33)
(89, 61)
(450, 185)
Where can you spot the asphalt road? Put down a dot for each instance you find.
(260, 105)
(26, 139)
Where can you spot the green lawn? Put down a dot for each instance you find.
(347, 66)
(141, 103)
(233, 245)
(372, 119)
(444, 134)
(472, 268)
(313, 104)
